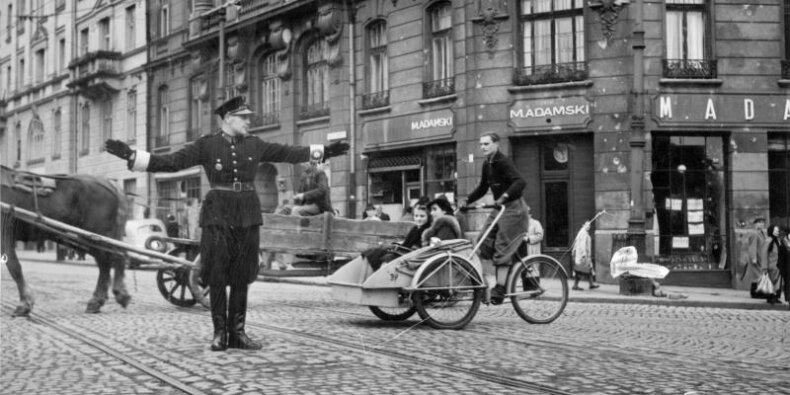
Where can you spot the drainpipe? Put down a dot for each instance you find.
(352, 114)
(636, 222)
(72, 150)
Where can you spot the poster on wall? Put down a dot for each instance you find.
(680, 242)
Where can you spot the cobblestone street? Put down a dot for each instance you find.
(316, 345)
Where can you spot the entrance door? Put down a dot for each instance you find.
(560, 186)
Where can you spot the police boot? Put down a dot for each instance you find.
(237, 314)
(219, 305)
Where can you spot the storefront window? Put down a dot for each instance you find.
(688, 190)
(441, 177)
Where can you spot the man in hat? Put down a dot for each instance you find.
(312, 197)
(230, 215)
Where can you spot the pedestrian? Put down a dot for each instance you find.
(312, 197)
(381, 214)
(444, 225)
(230, 214)
(507, 185)
(530, 278)
(755, 245)
(582, 258)
(408, 214)
(370, 213)
(172, 227)
(784, 270)
(774, 258)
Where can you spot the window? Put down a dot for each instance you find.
(105, 42)
(131, 115)
(230, 80)
(83, 42)
(196, 107)
(106, 119)
(316, 102)
(39, 66)
(441, 57)
(57, 134)
(130, 191)
(441, 172)
(270, 88)
(689, 198)
(85, 131)
(164, 18)
(377, 66)
(779, 177)
(131, 33)
(60, 5)
(9, 23)
(163, 118)
(686, 38)
(35, 140)
(20, 25)
(18, 135)
(62, 63)
(552, 42)
(20, 84)
(786, 62)
(8, 77)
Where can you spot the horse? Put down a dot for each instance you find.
(84, 201)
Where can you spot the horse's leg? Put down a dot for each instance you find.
(118, 285)
(26, 300)
(100, 293)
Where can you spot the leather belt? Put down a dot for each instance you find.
(235, 187)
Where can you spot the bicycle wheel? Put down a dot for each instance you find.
(393, 313)
(538, 289)
(448, 292)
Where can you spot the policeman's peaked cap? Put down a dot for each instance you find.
(234, 106)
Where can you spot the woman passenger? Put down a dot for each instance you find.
(445, 226)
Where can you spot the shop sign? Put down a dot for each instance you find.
(730, 109)
(410, 127)
(571, 111)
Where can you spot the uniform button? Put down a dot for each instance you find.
(234, 162)
(235, 170)
(235, 178)
(233, 153)
(232, 147)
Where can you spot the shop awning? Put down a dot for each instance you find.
(393, 163)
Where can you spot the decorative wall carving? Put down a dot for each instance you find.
(330, 25)
(608, 11)
(280, 40)
(490, 14)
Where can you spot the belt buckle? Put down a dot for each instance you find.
(235, 185)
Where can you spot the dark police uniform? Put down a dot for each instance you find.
(230, 216)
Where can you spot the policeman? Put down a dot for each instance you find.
(230, 216)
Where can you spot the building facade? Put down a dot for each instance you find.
(672, 116)
(73, 77)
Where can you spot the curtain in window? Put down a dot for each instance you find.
(674, 34)
(564, 40)
(35, 139)
(543, 42)
(695, 32)
(378, 66)
(270, 87)
(317, 75)
(57, 128)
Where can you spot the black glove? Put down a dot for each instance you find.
(118, 148)
(336, 149)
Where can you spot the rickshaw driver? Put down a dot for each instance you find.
(230, 215)
(507, 185)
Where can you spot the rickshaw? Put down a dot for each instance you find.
(444, 284)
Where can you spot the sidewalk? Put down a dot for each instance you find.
(724, 298)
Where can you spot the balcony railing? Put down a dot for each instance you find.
(376, 100)
(551, 73)
(786, 69)
(438, 88)
(689, 68)
(161, 140)
(264, 119)
(97, 74)
(314, 111)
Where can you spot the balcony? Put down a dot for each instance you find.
(314, 111)
(689, 68)
(786, 69)
(438, 88)
(550, 73)
(258, 120)
(375, 100)
(96, 74)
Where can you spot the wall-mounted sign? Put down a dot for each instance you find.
(723, 110)
(414, 127)
(573, 111)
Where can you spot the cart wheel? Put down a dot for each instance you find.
(393, 313)
(448, 293)
(538, 289)
(174, 286)
(200, 293)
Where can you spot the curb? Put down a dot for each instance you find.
(624, 300)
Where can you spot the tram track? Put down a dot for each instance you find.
(45, 320)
